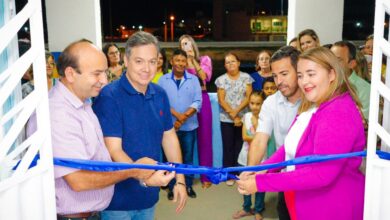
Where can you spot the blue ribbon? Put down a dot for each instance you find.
(215, 175)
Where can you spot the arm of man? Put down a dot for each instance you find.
(179, 116)
(109, 114)
(149, 177)
(245, 136)
(196, 99)
(190, 112)
(257, 148)
(68, 141)
(88, 180)
(172, 150)
(114, 146)
(180, 119)
(194, 107)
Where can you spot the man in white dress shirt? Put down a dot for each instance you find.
(278, 111)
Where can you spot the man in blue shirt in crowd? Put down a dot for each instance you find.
(185, 98)
(135, 118)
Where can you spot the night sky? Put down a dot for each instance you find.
(151, 13)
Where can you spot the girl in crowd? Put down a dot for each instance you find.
(234, 88)
(367, 51)
(201, 67)
(329, 122)
(28, 87)
(115, 67)
(161, 66)
(249, 127)
(263, 70)
(361, 67)
(369, 45)
(248, 130)
(50, 66)
(294, 43)
(308, 39)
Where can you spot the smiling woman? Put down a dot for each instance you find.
(115, 66)
(329, 122)
(314, 80)
(308, 39)
(323, 64)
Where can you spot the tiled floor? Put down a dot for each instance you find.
(216, 203)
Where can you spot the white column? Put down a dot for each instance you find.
(324, 17)
(72, 20)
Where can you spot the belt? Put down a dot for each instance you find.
(77, 215)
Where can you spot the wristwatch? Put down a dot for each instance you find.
(142, 183)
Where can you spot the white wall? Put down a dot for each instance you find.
(72, 20)
(323, 16)
(25, 193)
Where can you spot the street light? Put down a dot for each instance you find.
(172, 18)
(281, 7)
(165, 31)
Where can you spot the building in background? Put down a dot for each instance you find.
(268, 28)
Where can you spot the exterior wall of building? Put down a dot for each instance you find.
(72, 20)
(325, 17)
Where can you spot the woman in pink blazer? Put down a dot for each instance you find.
(329, 121)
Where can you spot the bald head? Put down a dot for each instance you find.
(83, 69)
(75, 53)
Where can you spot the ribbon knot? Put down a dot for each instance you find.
(220, 175)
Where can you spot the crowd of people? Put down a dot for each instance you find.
(303, 99)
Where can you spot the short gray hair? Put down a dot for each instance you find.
(140, 38)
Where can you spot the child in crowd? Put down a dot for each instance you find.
(269, 88)
(250, 122)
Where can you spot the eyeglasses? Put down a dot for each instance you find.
(113, 53)
(264, 59)
(230, 62)
(50, 64)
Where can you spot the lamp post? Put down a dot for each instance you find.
(165, 31)
(172, 18)
(281, 7)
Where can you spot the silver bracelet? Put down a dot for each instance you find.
(142, 183)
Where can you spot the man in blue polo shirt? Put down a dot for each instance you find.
(185, 97)
(135, 118)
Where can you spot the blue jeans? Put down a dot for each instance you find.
(142, 214)
(259, 202)
(187, 144)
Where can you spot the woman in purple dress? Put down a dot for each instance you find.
(201, 67)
